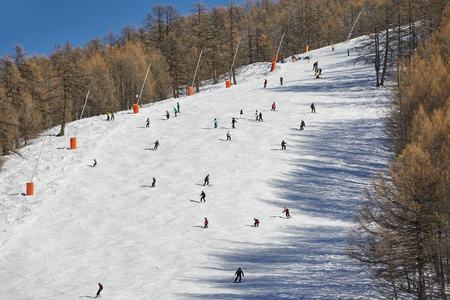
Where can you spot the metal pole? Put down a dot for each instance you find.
(198, 63)
(234, 59)
(42, 148)
(143, 84)
(280, 43)
(354, 25)
(81, 116)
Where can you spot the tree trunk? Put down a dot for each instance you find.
(377, 59)
(386, 51)
(395, 289)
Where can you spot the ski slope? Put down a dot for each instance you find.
(86, 225)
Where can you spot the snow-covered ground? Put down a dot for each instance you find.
(106, 224)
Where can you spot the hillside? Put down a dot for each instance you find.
(105, 224)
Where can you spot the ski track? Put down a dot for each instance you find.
(105, 224)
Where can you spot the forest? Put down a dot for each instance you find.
(401, 231)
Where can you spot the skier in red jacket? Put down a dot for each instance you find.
(274, 106)
(154, 182)
(256, 222)
(100, 288)
(286, 210)
(206, 223)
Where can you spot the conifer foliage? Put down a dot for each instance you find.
(402, 232)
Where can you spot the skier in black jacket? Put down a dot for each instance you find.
(233, 121)
(302, 125)
(239, 273)
(202, 196)
(206, 180)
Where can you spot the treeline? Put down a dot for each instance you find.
(38, 92)
(403, 232)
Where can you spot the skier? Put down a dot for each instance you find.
(100, 289)
(256, 222)
(283, 145)
(274, 106)
(239, 273)
(316, 74)
(156, 145)
(313, 108)
(265, 83)
(215, 123)
(154, 182)
(206, 180)
(315, 66)
(228, 136)
(348, 52)
(178, 106)
(167, 114)
(281, 80)
(242, 112)
(260, 117)
(302, 125)
(112, 116)
(147, 123)
(257, 115)
(107, 116)
(233, 121)
(95, 163)
(203, 197)
(175, 111)
(286, 210)
(206, 223)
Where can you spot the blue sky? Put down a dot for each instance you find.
(38, 25)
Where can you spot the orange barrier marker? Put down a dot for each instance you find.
(136, 108)
(307, 48)
(73, 143)
(190, 90)
(228, 83)
(30, 188)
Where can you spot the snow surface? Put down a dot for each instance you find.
(106, 224)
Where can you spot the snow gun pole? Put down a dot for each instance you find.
(40, 153)
(191, 88)
(136, 105)
(276, 56)
(234, 59)
(351, 30)
(143, 84)
(279, 46)
(81, 116)
(30, 185)
(73, 140)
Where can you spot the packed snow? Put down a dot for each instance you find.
(86, 225)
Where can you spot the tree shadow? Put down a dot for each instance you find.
(325, 184)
